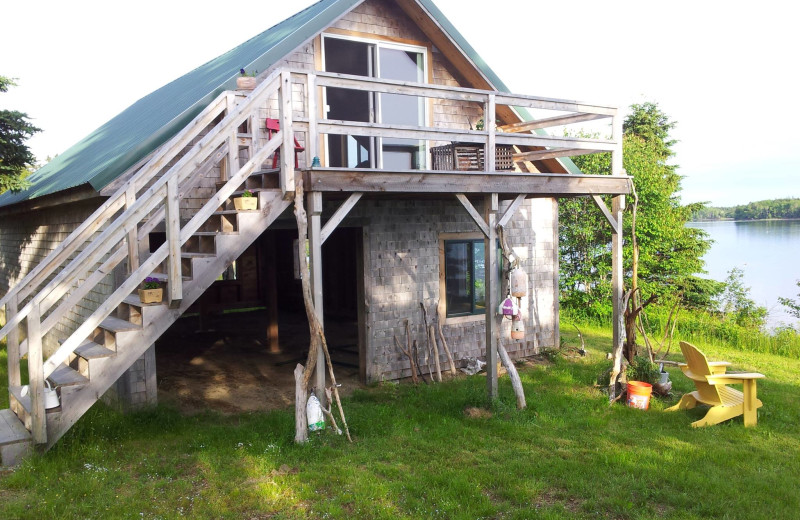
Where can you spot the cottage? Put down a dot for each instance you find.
(413, 158)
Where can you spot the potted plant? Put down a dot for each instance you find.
(246, 81)
(151, 291)
(247, 201)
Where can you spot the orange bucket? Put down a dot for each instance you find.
(639, 394)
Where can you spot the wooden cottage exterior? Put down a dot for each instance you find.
(372, 107)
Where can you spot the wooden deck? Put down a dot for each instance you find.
(452, 182)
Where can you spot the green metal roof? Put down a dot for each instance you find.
(109, 151)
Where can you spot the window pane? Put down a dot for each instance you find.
(479, 260)
(458, 278)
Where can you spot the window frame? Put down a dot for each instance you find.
(443, 312)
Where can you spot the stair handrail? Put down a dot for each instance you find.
(146, 200)
(162, 155)
(133, 281)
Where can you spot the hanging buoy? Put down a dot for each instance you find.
(518, 282)
(517, 328)
(508, 308)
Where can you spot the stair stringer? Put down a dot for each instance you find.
(132, 344)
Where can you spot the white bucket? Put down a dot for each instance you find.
(50, 395)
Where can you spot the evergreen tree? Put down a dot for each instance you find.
(15, 156)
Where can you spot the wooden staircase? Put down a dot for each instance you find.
(194, 255)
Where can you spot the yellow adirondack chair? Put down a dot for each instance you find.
(710, 379)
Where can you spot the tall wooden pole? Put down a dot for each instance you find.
(491, 284)
(315, 251)
(617, 283)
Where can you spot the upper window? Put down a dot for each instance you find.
(378, 59)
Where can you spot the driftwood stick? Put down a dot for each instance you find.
(315, 327)
(300, 398)
(328, 413)
(429, 357)
(516, 383)
(446, 350)
(419, 365)
(410, 360)
(432, 336)
(334, 386)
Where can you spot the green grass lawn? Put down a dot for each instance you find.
(418, 454)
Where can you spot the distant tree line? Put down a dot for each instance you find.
(763, 209)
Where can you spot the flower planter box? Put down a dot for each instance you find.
(151, 295)
(245, 83)
(245, 203)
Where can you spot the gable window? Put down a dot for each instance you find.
(376, 59)
(464, 276)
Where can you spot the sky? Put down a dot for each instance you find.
(724, 71)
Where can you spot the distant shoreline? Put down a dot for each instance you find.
(739, 220)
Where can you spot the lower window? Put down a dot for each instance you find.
(465, 286)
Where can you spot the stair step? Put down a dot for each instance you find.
(211, 233)
(91, 350)
(66, 376)
(234, 211)
(161, 277)
(12, 430)
(197, 255)
(117, 325)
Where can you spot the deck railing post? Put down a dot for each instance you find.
(12, 344)
(490, 126)
(287, 147)
(173, 224)
(311, 108)
(133, 234)
(36, 376)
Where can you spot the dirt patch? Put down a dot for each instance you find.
(477, 413)
(228, 367)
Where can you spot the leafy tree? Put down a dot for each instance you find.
(736, 303)
(15, 156)
(793, 306)
(669, 252)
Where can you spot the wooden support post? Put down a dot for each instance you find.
(36, 376)
(490, 126)
(287, 148)
(273, 339)
(133, 234)
(12, 344)
(491, 283)
(315, 251)
(173, 223)
(617, 283)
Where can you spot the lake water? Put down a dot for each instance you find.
(768, 251)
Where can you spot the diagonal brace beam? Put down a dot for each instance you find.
(606, 213)
(473, 213)
(512, 210)
(341, 213)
